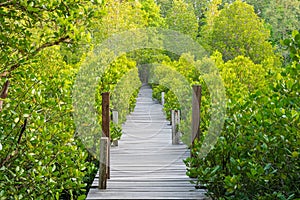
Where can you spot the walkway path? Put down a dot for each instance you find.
(146, 165)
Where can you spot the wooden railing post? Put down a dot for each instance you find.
(163, 98)
(196, 104)
(103, 165)
(105, 126)
(175, 118)
(115, 118)
(173, 123)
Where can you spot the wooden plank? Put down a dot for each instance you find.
(113, 184)
(153, 189)
(145, 195)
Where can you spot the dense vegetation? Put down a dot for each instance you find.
(255, 46)
(257, 154)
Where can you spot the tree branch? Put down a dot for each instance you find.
(22, 131)
(4, 93)
(49, 44)
(6, 3)
(64, 39)
(15, 152)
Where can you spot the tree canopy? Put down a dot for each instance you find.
(27, 27)
(181, 17)
(237, 30)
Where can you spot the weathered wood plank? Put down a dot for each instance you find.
(107, 194)
(113, 184)
(178, 189)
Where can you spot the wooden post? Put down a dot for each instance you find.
(105, 114)
(103, 165)
(175, 122)
(115, 118)
(196, 104)
(105, 125)
(171, 120)
(163, 98)
(173, 125)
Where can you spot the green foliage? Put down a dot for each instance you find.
(121, 16)
(293, 46)
(238, 71)
(174, 78)
(115, 72)
(121, 79)
(152, 14)
(200, 7)
(115, 131)
(181, 18)
(282, 16)
(165, 6)
(207, 28)
(237, 30)
(27, 27)
(257, 155)
(40, 158)
(125, 93)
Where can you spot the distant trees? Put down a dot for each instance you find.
(152, 14)
(237, 30)
(283, 16)
(181, 17)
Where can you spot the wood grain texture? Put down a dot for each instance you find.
(196, 105)
(103, 170)
(146, 165)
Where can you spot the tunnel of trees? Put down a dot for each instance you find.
(254, 44)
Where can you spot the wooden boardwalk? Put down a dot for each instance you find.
(146, 165)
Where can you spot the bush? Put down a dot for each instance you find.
(40, 158)
(257, 154)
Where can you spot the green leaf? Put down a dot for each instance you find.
(81, 197)
(287, 42)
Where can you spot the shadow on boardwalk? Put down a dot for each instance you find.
(146, 165)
